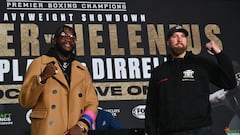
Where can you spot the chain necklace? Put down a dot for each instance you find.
(64, 66)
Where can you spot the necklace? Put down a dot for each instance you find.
(64, 66)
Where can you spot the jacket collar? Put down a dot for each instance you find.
(170, 58)
(75, 67)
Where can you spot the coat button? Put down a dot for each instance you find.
(53, 106)
(54, 92)
(51, 123)
(80, 94)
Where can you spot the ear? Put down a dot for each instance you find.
(167, 42)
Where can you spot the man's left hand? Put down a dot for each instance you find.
(75, 130)
(212, 47)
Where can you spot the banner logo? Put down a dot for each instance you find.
(6, 119)
(139, 111)
(66, 5)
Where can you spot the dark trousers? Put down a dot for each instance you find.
(198, 131)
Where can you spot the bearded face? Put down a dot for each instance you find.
(65, 43)
(178, 49)
(178, 43)
(60, 46)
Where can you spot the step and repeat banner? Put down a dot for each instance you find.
(120, 41)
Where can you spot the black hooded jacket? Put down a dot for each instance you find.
(178, 94)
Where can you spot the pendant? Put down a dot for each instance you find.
(65, 65)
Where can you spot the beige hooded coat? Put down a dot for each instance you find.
(56, 106)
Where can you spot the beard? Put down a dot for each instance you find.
(59, 47)
(178, 50)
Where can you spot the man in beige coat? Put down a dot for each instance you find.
(59, 90)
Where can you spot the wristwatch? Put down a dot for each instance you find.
(83, 129)
(39, 79)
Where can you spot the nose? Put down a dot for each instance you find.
(69, 39)
(179, 39)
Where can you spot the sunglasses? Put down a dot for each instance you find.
(65, 35)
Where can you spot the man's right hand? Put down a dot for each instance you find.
(48, 72)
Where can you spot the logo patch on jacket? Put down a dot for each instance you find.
(188, 75)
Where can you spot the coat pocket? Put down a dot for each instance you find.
(39, 113)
